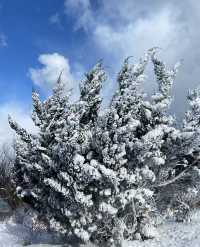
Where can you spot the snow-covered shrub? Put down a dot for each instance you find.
(7, 190)
(98, 176)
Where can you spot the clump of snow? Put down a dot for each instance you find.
(57, 186)
(78, 159)
(82, 234)
(104, 207)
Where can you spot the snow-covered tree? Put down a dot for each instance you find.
(128, 203)
(50, 170)
(178, 183)
(36, 159)
(98, 176)
(187, 168)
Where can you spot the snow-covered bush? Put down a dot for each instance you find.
(98, 175)
(7, 190)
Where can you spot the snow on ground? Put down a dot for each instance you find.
(12, 235)
(171, 234)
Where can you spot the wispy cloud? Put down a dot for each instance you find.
(3, 40)
(82, 11)
(55, 19)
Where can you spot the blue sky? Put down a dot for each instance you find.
(38, 39)
(29, 33)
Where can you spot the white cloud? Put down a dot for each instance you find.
(136, 37)
(3, 40)
(52, 65)
(130, 27)
(18, 113)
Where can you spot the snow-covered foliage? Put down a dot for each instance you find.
(99, 177)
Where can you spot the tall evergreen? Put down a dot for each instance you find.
(98, 176)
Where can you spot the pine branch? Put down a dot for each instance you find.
(175, 178)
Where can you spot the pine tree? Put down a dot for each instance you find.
(177, 182)
(36, 160)
(51, 173)
(188, 157)
(115, 135)
(98, 176)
